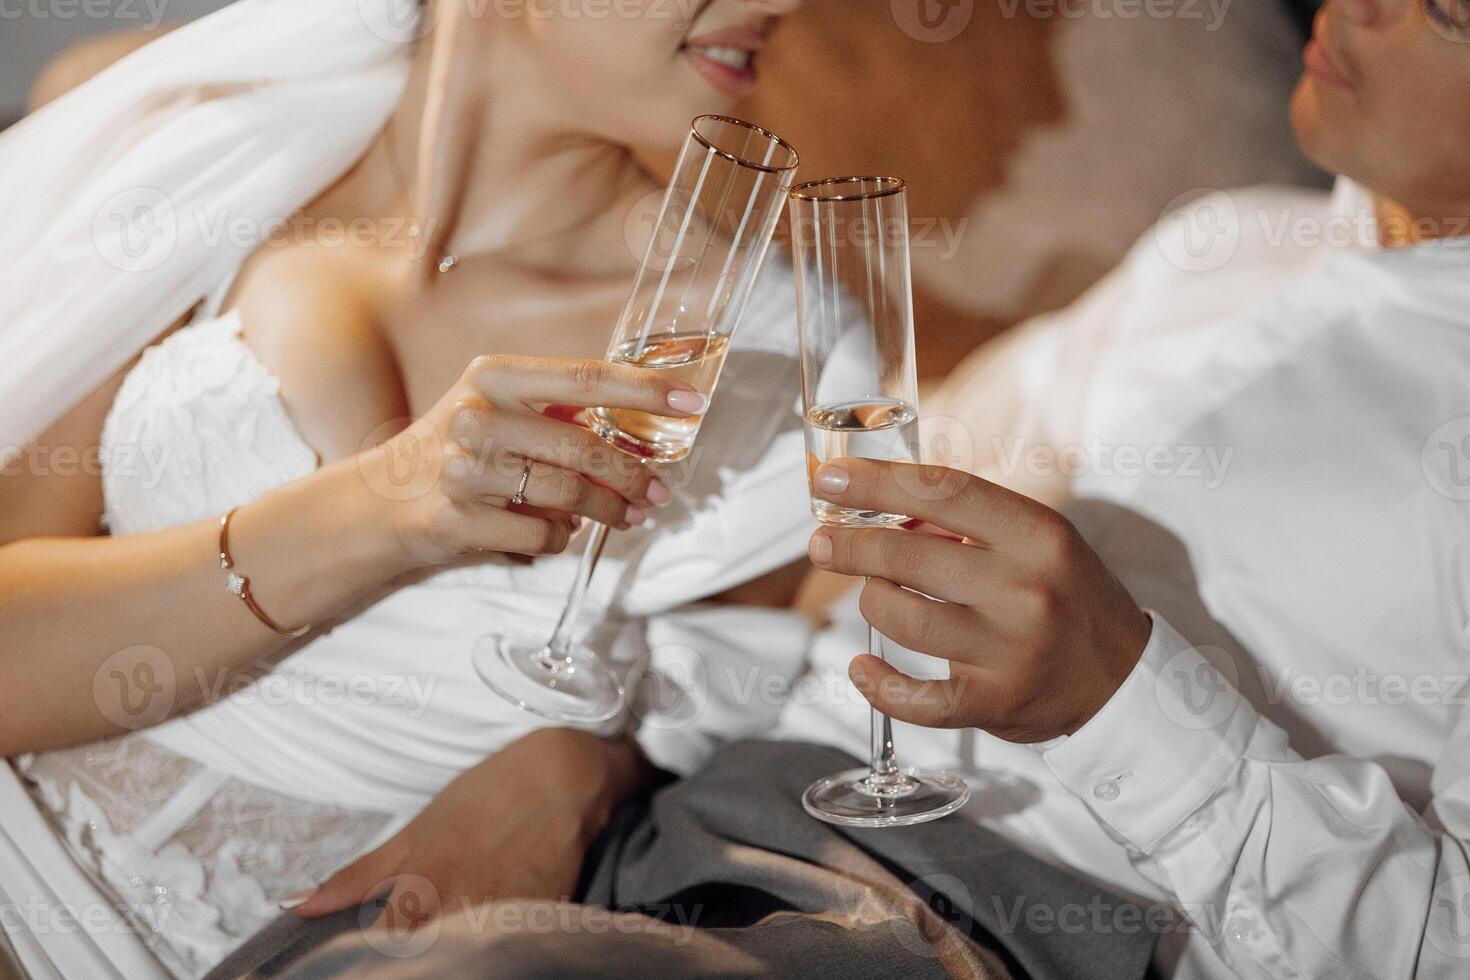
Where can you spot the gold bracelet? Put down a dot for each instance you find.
(239, 585)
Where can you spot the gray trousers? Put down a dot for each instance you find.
(724, 875)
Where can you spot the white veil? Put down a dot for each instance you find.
(131, 198)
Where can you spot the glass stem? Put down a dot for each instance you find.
(560, 643)
(885, 769)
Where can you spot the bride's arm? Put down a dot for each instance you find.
(70, 600)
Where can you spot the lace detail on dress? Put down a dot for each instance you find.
(198, 859)
(197, 428)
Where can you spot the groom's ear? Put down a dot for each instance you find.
(81, 61)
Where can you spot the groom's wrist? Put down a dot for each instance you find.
(596, 774)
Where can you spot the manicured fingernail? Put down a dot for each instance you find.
(820, 548)
(576, 523)
(832, 478)
(295, 901)
(635, 516)
(688, 402)
(857, 674)
(659, 495)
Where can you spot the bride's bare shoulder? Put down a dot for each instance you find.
(311, 313)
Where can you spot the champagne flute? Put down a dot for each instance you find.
(711, 238)
(860, 397)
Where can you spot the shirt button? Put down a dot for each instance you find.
(1107, 790)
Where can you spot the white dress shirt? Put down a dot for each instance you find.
(1265, 431)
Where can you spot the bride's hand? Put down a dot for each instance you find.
(449, 477)
(518, 825)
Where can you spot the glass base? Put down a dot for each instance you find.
(857, 798)
(577, 689)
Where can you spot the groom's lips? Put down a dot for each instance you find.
(1322, 59)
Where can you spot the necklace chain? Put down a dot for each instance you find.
(449, 261)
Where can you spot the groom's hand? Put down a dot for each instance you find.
(518, 825)
(1038, 632)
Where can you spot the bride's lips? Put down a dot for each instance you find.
(726, 58)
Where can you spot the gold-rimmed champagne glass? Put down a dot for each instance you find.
(711, 238)
(860, 395)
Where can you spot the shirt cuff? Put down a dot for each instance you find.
(1165, 742)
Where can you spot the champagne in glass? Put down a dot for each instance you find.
(693, 358)
(871, 428)
(711, 238)
(860, 395)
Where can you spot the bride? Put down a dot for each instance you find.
(360, 244)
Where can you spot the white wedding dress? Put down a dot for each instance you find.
(197, 828)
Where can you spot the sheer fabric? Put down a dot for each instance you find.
(197, 858)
